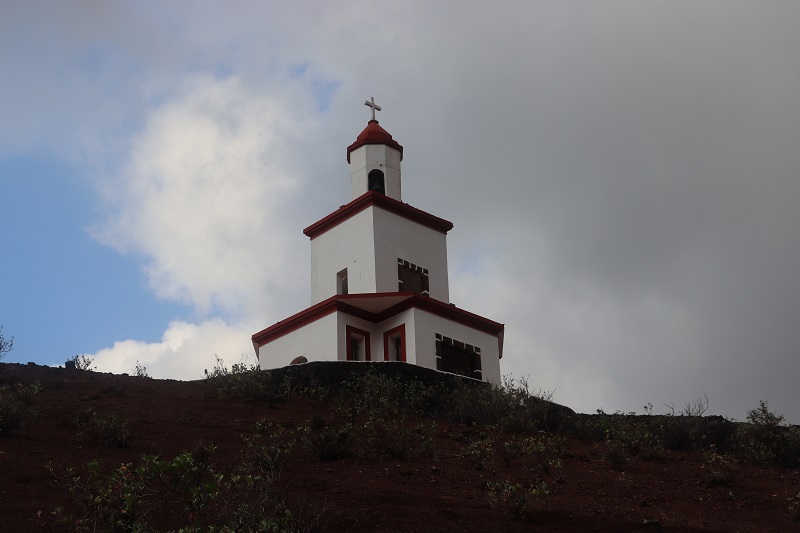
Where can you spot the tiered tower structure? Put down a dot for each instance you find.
(379, 286)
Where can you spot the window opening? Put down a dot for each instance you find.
(375, 181)
(412, 278)
(394, 344)
(458, 357)
(357, 347)
(341, 282)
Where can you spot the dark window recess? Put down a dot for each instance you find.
(357, 344)
(397, 348)
(394, 341)
(458, 358)
(411, 278)
(375, 181)
(341, 282)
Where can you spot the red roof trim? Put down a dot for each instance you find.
(450, 312)
(376, 199)
(374, 134)
(339, 303)
(295, 322)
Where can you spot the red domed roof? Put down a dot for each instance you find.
(374, 134)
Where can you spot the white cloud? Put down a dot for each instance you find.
(205, 196)
(185, 351)
(206, 202)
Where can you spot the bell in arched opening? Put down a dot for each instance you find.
(375, 181)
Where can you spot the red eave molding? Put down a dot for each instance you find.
(376, 199)
(340, 303)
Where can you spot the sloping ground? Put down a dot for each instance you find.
(435, 488)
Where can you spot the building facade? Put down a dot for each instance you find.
(379, 285)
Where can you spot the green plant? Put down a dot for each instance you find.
(268, 449)
(185, 493)
(242, 381)
(140, 370)
(633, 433)
(81, 362)
(11, 412)
(128, 497)
(721, 468)
(392, 436)
(614, 451)
(107, 430)
(6, 344)
(27, 393)
(14, 403)
(376, 395)
(512, 498)
(765, 439)
(696, 408)
(510, 450)
(328, 442)
(512, 406)
(547, 449)
(794, 507)
(479, 451)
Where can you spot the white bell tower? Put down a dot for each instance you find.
(375, 160)
(379, 282)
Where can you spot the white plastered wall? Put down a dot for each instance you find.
(347, 245)
(325, 340)
(397, 237)
(368, 244)
(375, 156)
(376, 332)
(427, 325)
(314, 341)
(421, 329)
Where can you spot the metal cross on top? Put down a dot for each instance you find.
(371, 103)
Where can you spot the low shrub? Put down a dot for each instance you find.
(765, 439)
(546, 450)
(185, 493)
(479, 451)
(268, 449)
(14, 402)
(511, 450)
(6, 344)
(392, 437)
(241, 381)
(140, 371)
(107, 430)
(794, 507)
(81, 362)
(630, 432)
(615, 453)
(328, 442)
(513, 498)
(721, 468)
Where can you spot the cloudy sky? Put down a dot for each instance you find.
(622, 176)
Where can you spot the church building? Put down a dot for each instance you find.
(379, 287)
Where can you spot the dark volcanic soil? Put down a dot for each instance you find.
(438, 491)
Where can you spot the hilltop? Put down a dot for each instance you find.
(301, 449)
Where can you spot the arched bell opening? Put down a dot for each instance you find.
(375, 181)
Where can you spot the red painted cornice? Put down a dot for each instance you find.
(352, 304)
(376, 199)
